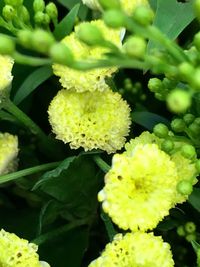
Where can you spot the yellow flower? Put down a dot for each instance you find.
(8, 153)
(6, 64)
(90, 80)
(139, 188)
(132, 250)
(17, 252)
(90, 120)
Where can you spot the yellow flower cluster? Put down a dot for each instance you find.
(135, 250)
(6, 64)
(90, 120)
(17, 252)
(8, 153)
(139, 188)
(90, 80)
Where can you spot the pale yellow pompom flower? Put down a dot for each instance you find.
(135, 250)
(8, 153)
(139, 188)
(6, 64)
(90, 80)
(90, 120)
(17, 252)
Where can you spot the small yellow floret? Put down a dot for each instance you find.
(6, 64)
(90, 120)
(17, 252)
(139, 188)
(135, 250)
(8, 153)
(90, 80)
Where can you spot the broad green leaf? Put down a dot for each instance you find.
(153, 4)
(69, 4)
(172, 18)
(147, 119)
(67, 24)
(194, 199)
(31, 83)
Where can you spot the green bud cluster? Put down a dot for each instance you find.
(188, 231)
(14, 3)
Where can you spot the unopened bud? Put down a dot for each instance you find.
(188, 151)
(155, 85)
(167, 146)
(143, 15)
(186, 71)
(114, 18)
(194, 129)
(8, 12)
(161, 130)
(111, 4)
(61, 54)
(197, 8)
(25, 38)
(7, 45)
(14, 3)
(52, 11)
(41, 18)
(178, 100)
(180, 231)
(184, 187)
(38, 6)
(24, 14)
(42, 40)
(197, 165)
(90, 34)
(135, 46)
(190, 237)
(188, 118)
(190, 227)
(178, 125)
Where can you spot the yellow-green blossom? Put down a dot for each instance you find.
(90, 80)
(90, 120)
(8, 153)
(139, 188)
(17, 252)
(6, 64)
(135, 250)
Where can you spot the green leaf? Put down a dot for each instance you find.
(195, 245)
(69, 4)
(31, 83)
(148, 119)
(172, 18)
(66, 25)
(153, 4)
(194, 199)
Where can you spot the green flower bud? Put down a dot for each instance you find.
(178, 125)
(190, 227)
(128, 84)
(181, 231)
(161, 130)
(186, 71)
(14, 3)
(25, 38)
(41, 18)
(194, 128)
(195, 80)
(167, 146)
(190, 237)
(188, 118)
(184, 187)
(155, 85)
(197, 165)
(24, 14)
(143, 15)
(160, 96)
(61, 54)
(197, 121)
(135, 46)
(111, 4)
(52, 11)
(178, 101)
(7, 45)
(38, 6)
(114, 18)
(188, 151)
(42, 40)
(90, 34)
(197, 8)
(8, 12)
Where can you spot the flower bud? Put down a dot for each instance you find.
(90, 34)
(8, 12)
(42, 40)
(167, 146)
(188, 151)
(135, 46)
(143, 15)
(52, 11)
(181, 231)
(190, 227)
(197, 8)
(161, 130)
(190, 237)
(178, 125)
(25, 38)
(44, 264)
(194, 129)
(111, 4)
(41, 18)
(197, 165)
(14, 3)
(186, 71)
(61, 54)
(114, 18)
(24, 14)
(196, 41)
(188, 118)
(178, 100)
(7, 45)
(184, 187)
(155, 85)
(38, 6)
(197, 121)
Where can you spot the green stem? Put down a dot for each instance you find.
(32, 61)
(24, 119)
(53, 234)
(16, 175)
(102, 164)
(108, 225)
